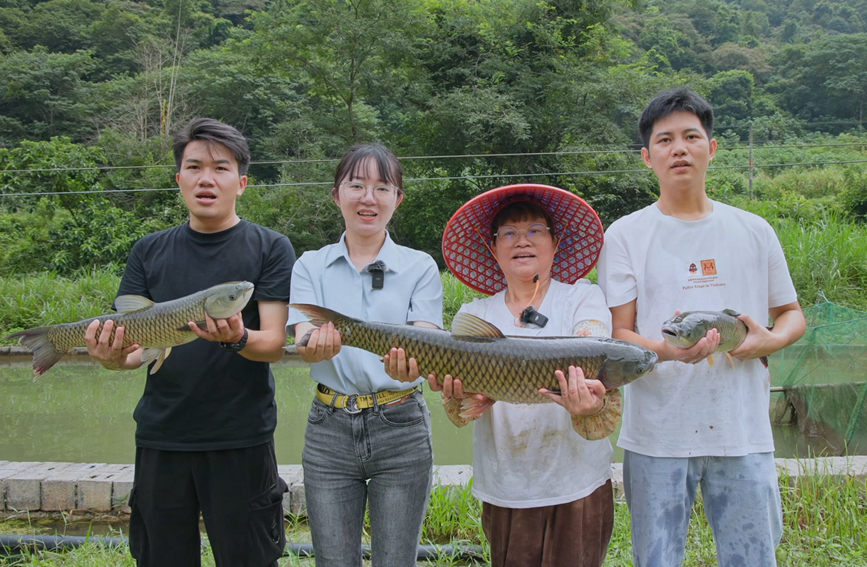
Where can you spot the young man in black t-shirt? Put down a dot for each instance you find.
(206, 420)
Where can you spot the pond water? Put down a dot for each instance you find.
(79, 412)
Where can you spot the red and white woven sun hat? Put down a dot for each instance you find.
(468, 235)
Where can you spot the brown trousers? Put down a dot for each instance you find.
(575, 534)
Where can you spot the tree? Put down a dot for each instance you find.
(44, 94)
(345, 51)
(827, 77)
(58, 166)
(732, 95)
(61, 26)
(675, 38)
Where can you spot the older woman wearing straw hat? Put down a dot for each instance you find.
(542, 472)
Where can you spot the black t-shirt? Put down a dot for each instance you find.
(205, 398)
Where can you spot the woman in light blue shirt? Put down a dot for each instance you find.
(368, 436)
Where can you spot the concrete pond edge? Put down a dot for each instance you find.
(96, 488)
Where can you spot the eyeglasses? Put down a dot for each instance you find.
(355, 191)
(535, 233)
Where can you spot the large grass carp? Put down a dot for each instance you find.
(689, 327)
(155, 326)
(508, 369)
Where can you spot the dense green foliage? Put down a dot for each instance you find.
(502, 90)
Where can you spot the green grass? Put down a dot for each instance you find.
(827, 256)
(455, 294)
(47, 299)
(823, 519)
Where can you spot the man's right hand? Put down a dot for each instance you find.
(704, 348)
(110, 354)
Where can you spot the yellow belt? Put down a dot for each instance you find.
(353, 403)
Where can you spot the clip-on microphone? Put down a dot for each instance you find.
(377, 270)
(529, 314)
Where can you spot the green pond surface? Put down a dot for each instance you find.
(79, 412)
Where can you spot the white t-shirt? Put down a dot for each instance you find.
(731, 259)
(528, 455)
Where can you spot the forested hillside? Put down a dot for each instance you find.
(500, 90)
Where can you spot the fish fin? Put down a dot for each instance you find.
(203, 325)
(764, 360)
(317, 315)
(710, 360)
(731, 313)
(130, 303)
(45, 353)
(466, 325)
(148, 355)
(302, 342)
(731, 360)
(471, 408)
(161, 356)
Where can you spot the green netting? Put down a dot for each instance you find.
(820, 382)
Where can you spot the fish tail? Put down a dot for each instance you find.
(45, 353)
(319, 316)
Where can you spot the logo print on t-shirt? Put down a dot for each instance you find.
(692, 269)
(708, 267)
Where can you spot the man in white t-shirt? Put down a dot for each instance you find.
(690, 423)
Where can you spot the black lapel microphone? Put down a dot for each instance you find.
(530, 315)
(377, 270)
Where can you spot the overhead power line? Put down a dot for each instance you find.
(444, 178)
(727, 147)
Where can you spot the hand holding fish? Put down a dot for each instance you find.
(694, 354)
(472, 406)
(110, 354)
(323, 344)
(759, 342)
(229, 330)
(578, 395)
(399, 368)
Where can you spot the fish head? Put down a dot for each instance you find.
(224, 300)
(630, 363)
(684, 330)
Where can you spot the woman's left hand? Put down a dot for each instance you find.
(399, 368)
(578, 395)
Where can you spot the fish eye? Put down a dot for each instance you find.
(232, 296)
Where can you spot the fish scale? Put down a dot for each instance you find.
(158, 327)
(509, 369)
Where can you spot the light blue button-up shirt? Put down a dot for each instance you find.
(412, 292)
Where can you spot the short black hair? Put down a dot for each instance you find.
(353, 160)
(669, 102)
(521, 211)
(211, 132)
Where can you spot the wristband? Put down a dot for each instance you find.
(238, 346)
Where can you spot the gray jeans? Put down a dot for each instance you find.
(382, 455)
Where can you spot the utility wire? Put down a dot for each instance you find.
(455, 156)
(444, 178)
